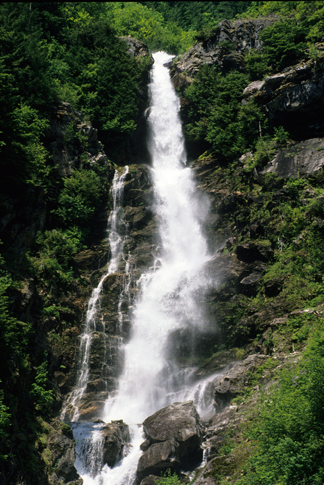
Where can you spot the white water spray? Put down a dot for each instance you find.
(169, 294)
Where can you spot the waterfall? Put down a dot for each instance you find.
(168, 300)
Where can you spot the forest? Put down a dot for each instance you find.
(74, 53)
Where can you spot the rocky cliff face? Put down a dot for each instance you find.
(224, 48)
(293, 98)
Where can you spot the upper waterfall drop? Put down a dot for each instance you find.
(168, 295)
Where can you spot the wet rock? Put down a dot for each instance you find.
(175, 435)
(179, 421)
(158, 458)
(59, 453)
(145, 445)
(116, 437)
(92, 259)
(234, 381)
(224, 267)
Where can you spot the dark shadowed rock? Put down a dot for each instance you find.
(60, 453)
(116, 436)
(248, 285)
(150, 480)
(250, 252)
(273, 287)
(137, 48)
(158, 458)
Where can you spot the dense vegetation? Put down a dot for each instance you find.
(198, 16)
(63, 51)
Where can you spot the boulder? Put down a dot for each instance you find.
(158, 458)
(175, 435)
(60, 453)
(116, 437)
(137, 48)
(150, 480)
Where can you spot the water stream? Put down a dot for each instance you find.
(169, 300)
(116, 243)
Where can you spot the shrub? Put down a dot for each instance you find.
(42, 396)
(79, 198)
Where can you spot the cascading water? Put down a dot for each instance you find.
(169, 295)
(167, 300)
(116, 242)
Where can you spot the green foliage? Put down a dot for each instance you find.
(79, 198)
(283, 42)
(148, 26)
(280, 135)
(198, 15)
(14, 335)
(264, 150)
(168, 479)
(289, 435)
(42, 396)
(4, 418)
(256, 64)
(54, 257)
(216, 115)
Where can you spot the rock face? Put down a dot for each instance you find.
(233, 382)
(300, 159)
(116, 437)
(59, 455)
(225, 48)
(20, 221)
(139, 152)
(293, 98)
(174, 435)
(136, 48)
(66, 125)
